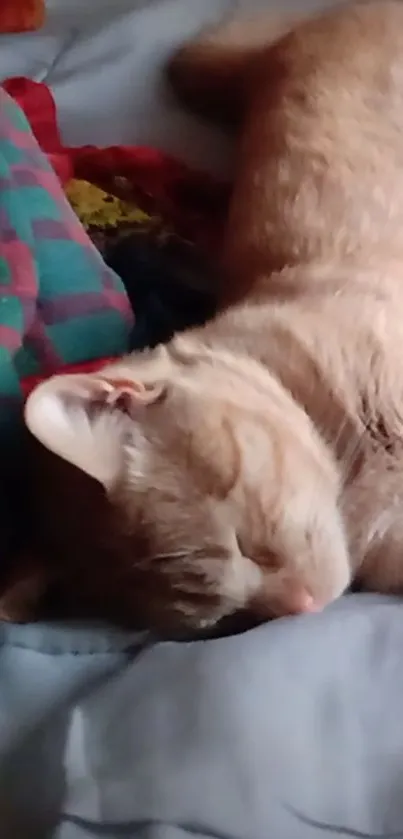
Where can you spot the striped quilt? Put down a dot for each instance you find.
(59, 303)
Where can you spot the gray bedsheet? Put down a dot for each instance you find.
(286, 732)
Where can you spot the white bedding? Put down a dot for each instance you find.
(291, 731)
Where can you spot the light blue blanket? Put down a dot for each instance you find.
(286, 732)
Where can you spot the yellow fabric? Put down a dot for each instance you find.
(96, 208)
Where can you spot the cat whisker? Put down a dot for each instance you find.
(186, 554)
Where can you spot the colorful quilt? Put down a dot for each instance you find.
(59, 302)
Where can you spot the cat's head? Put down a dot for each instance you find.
(225, 496)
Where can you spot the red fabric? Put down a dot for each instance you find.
(30, 383)
(37, 102)
(21, 15)
(192, 202)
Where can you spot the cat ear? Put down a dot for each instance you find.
(82, 419)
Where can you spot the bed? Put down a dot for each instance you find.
(292, 730)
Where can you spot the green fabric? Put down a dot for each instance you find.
(59, 303)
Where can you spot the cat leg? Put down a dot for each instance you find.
(211, 73)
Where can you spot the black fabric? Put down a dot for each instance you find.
(166, 284)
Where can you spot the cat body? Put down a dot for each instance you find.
(257, 462)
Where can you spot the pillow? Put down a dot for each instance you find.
(21, 15)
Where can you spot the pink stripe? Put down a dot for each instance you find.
(119, 302)
(59, 309)
(10, 338)
(9, 132)
(23, 281)
(47, 180)
(38, 339)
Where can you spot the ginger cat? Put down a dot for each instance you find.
(258, 461)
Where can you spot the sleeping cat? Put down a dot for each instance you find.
(258, 461)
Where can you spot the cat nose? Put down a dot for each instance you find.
(302, 602)
(308, 604)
